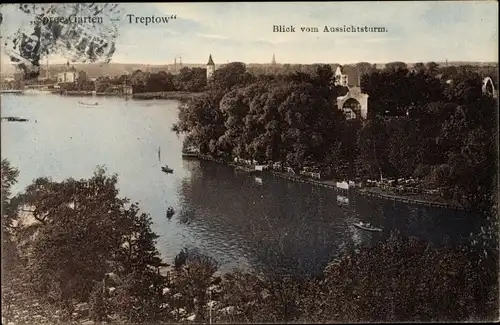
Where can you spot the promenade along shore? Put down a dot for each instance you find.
(358, 188)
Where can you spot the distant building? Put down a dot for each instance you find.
(273, 62)
(340, 78)
(210, 67)
(69, 75)
(66, 77)
(127, 90)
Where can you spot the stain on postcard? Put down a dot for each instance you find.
(81, 32)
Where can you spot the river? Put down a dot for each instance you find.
(269, 224)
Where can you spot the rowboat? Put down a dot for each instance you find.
(170, 212)
(96, 104)
(366, 226)
(167, 170)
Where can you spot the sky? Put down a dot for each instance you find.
(416, 32)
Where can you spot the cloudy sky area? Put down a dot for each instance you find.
(417, 32)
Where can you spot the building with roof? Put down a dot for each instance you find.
(69, 75)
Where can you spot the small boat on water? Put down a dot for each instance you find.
(15, 119)
(170, 212)
(88, 104)
(366, 226)
(342, 200)
(167, 170)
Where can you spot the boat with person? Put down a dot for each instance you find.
(342, 200)
(170, 212)
(167, 170)
(367, 226)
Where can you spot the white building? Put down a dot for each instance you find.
(66, 77)
(69, 75)
(340, 79)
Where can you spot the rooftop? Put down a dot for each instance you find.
(210, 61)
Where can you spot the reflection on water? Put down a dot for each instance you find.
(242, 221)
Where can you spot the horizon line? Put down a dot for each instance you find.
(261, 63)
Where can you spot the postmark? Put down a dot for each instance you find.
(80, 32)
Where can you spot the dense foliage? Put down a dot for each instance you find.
(86, 246)
(76, 233)
(77, 242)
(420, 124)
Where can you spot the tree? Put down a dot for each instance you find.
(415, 283)
(192, 80)
(419, 67)
(9, 216)
(432, 68)
(466, 89)
(203, 121)
(193, 281)
(372, 142)
(138, 81)
(84, 232)
(159, 81)
(397, 65)
(230, 75)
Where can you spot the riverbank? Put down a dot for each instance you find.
(167, 95)
(419, 199)
(177, 95)
(87, 93)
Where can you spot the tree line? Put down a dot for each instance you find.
(439, 130)
(85, 245)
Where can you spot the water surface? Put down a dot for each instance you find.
(266, 223)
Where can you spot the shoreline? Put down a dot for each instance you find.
(419, 199)
(177, 95)
(166, 95)
(86, 93)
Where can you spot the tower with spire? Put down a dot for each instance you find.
(210, 67)
(273, 62)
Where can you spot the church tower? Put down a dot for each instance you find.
(210, 67)
(340, 78)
